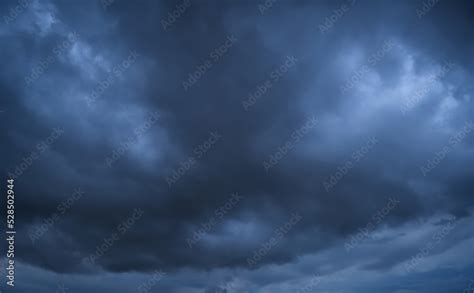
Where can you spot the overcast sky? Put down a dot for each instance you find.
(239, 146)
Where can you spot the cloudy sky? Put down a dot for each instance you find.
(239, 146)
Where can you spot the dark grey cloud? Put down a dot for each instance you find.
(150, 84)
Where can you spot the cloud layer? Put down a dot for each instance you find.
(248, 143)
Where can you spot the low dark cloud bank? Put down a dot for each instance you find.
(240, 146)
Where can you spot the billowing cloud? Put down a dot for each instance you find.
(271, 146)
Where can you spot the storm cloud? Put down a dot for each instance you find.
(239, 146)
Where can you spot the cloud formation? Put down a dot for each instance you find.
(172, 108)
